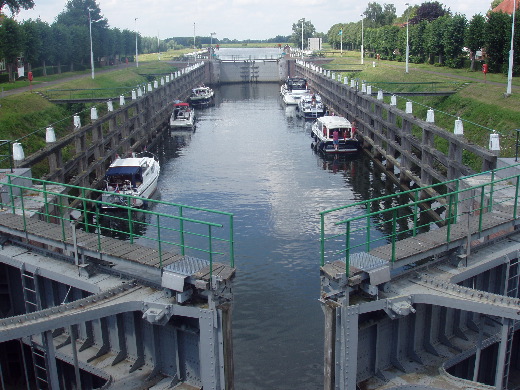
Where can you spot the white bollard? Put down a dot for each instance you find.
(121, 100)
(459, 128)
(139, 92)
(77, 121)
(345, 80)
(149, 87)
(167, 79)
(430, 116)
(380, 94)
(369, 90)
(155, 84)
(408, 109)
(93, 113)
(134, 94)
(50, 136)
(363, 88)
(352, 83)
(494, 142)
(162, 81)
(110, 106)
(18, 154)
(393, 100)
(373, 64)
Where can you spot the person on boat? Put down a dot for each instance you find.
(335, 139)
(354, 128)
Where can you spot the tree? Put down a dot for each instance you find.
(378, 16)
(12, 39)
(16, 5)
(429, 11)
(475, 37)
(453, 40)
(308, 32)
(497, 36)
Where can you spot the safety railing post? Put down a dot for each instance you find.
(347, 250)
(11, 195)
(231, 242)
(415, 212)
(369, 225)
(159, 247)
(85, 211)
(515, 207)
(181, 228)
(46, 202)
(394, 229)
(210, 256)
(491, 189)
(130, 225)
(481, 213)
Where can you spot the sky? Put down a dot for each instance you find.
(233, 19)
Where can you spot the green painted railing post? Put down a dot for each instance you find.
(11, 195)
(369, 224)
(46, 202)
(23, 210)
(60, 212)
(456, 210)
(347, 250)
(210, 256)
(515, 207)
(85, 211)
(181, 228)
(98, 227)
(491, 189)
(322, 239)
(448, 217)
(394, 222)
(415, 213)
(130, 225)
(231, 242)
(481, 211)
(159, 240)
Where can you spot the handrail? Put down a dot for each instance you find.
(363, 225)
(191, 230)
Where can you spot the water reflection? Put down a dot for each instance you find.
(122, 224)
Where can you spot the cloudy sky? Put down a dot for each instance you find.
(234, 19)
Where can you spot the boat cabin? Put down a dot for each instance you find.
(181, 111)
(125, 176)
(327, 125)
(296, 83)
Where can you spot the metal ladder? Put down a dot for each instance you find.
(33, 303)
(512, 286)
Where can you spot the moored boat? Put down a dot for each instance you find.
(201, 96)
(129, 180)
(334, 135)
(182, 116)
(310, 106)
(293, 89)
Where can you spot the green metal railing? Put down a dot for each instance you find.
(362, 226)
(164, 226)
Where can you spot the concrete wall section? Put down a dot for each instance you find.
(250, 71)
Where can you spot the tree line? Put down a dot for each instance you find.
(435, 36)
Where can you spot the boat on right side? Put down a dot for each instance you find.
(335, 135)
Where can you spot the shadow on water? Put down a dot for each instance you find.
(122, 224)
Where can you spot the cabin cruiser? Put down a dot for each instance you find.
(323, 130)
(201, 96)
(182, 116)
(310, 106)
(129, 180)
(293, 89)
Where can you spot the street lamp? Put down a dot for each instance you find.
(91, 51)
(136, 54)
(407, 39)
(362, 54)
(511, 52)
(303, 20)
(211, 42)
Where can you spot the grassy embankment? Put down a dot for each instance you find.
(25, 116)
(480, 103)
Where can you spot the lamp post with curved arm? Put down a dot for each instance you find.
(407, 38)
(362, 51)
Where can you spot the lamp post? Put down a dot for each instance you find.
(211, 42)
(136, 54)
(362, 53)
(91, 51)
(407, 37)
(511, 52)
(341, 41)
(303, 20)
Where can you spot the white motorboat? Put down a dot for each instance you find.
(182, 116)
(201, 96)
(310, 106)
(323, 133)
(293, 89)
(129, 181)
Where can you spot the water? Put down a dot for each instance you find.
(252, 156)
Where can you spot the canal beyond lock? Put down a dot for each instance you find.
(251, 156)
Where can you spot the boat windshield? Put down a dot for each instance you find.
(342, 133)
(296, 83)
(122, 178)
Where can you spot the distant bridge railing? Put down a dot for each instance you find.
(362, 226)
(163, 226)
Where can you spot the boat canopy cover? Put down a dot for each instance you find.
(124, 170)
